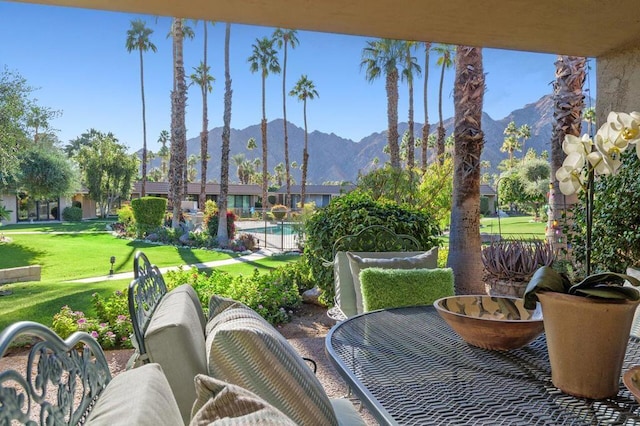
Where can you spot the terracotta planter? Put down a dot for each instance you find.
(496, 287)
(587, 339)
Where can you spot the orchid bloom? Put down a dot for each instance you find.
(574, 144)
(571, 176)
(626, 126)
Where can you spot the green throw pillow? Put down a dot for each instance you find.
(392, 288)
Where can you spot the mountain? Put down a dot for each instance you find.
(333, 158)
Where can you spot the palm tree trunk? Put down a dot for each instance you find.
(441, 131)
(263, 129)
(287, 200)
(392, 117)
(143, 190)
(568, 100)
(464, 238)
(223, 236)
(425, 126)
(204, 135)
(305, 156)
(178, 127)
(411, 141)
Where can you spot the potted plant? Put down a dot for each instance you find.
(587, 324)
(510, 264)
(279, 211)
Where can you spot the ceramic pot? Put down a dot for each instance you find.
(496, 287)
(587, 339)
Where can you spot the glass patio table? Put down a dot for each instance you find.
(407, 366)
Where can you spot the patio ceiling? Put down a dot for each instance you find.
(575, 27)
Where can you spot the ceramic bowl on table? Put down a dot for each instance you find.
(491, 322)
(631, 379)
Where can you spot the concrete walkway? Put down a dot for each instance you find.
(250, 258)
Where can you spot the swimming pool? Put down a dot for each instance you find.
(277, 229)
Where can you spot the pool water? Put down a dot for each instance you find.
(278, 229)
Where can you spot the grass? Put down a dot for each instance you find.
(517, 226)
(68, 251)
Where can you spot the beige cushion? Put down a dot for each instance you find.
(217, 305)
(141, 397)
(175, 340)
(221, 403)
(247, 351)
(346, 413)
(357, 262)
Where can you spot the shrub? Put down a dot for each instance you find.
(212, 225)
(111, 328)
(72, 214)
(247, 241)
(148, 213)
(272, 295)
(126, 220)
(54, 212)
(350, 213)
(516, 260)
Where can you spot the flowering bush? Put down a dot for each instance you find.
(111, 328)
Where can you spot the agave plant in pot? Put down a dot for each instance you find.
(587, 324)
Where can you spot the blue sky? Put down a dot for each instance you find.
(78, 62)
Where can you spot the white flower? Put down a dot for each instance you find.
(571, 175)
(605, 160)
(626, 127)
(574, 144)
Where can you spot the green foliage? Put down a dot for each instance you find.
(148, 213)
(5, 214)
(516, 260)
(272, 295)
(616, 220)
(210, 208)
(126, 218)
(72, 214)
(436, 191)
(107, 170)
(484, 206)
(389, 183)
(14, 104)
(46, 173)
(212, 225)
(111, 327)
(349, 214)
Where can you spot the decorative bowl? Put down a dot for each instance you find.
(491, 322)
(631, 379)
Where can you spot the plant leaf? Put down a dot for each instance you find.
(544, 279)
(604, 291)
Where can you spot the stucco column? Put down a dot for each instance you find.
(618, 82)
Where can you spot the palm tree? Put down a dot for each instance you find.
(223, 235)
(511, 144)
(524, 133)
(589, 115)
(163, 153)
(284, 38)
(138, 39)
(426, 126)
(446, 52)
(265, 60)
(303, 90)
(178, 127)
(568, 102)
(278, 172)
(382, 57)
(464, 239)
(239, 161)
(204, 80)
(410, 68)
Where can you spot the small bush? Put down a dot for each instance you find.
(72, 214)
(247, 241)
(212, 225)
(148, 213)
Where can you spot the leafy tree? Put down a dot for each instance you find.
(436, 191)
(87, 138)
(14, 104)
(304, 90)
(381, 57)
(138, 39)
(445, 60)
(534, 175)
(387, 183)
(265, 60)
(464, 238)
(38, 119)
(283, 39)
(46, 173)
(223, 234)
(107, 171)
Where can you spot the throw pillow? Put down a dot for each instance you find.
(357, 263)
(392, 288)
(220, 403)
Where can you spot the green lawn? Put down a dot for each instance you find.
(83, 250)
(523, 226)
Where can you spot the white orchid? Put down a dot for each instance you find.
(625, 126)
(571, 176)
(574, 144)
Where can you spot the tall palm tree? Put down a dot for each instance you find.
(382, 57)
(464, 239)
(138, 39)
(163, 153)
(223, 235)
(524, 133)
(284, 38)
(264, 59)
(410, 68)
(568, 103)
(426, 126)
(178, 127)
(303, 90)
(445, 60)
(204, 80)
